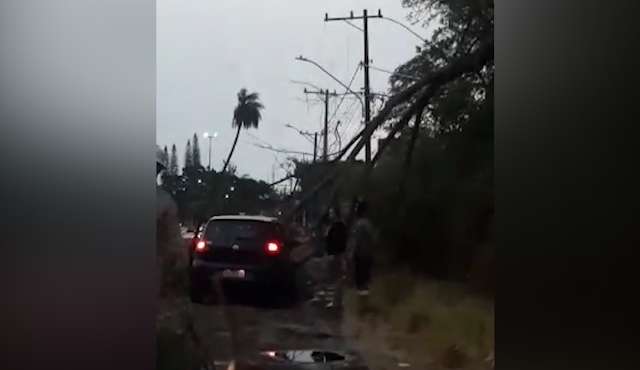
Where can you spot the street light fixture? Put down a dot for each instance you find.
(210, 137)
(305, 134)
(307, 60)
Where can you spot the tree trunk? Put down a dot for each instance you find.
(407, 160)
(233, 147)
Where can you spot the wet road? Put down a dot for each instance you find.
(260, 326)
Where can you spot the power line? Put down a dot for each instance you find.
(280, 150)
(255, 137)
(346, 123)
(349, 121)
(304, 83)
(405, 27)
(306, 135)
(353, 25)
(288, 151)
(303, 59)
(307, 102)
(394, 73)
(353, 77)
(336, 132)
(390, 20)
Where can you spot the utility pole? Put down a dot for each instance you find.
(367, 105)
(325, 144)
(315, 147)
(367, 108)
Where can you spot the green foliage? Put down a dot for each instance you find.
(165, 157)
(201, 194)
(188, 155)
(441, 215)
(173, 162)
(196, 152)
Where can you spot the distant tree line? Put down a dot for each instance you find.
(200, 193)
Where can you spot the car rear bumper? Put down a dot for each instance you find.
(204, 271)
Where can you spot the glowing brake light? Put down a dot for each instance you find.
(201, 246)
(272, 248)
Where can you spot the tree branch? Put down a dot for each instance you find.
(282, 180)
(457, 68)
(463, 37)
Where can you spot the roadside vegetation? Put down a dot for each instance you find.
(421, 324)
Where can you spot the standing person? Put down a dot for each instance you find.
(362, 240)
(337, 234)
(336, 245)
(320, 232)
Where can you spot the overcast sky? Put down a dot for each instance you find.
(207, 50)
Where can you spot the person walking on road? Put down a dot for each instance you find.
(336, 244)
(361, 242)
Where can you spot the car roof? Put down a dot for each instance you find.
(243, 218)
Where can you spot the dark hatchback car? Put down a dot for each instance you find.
(242, 249)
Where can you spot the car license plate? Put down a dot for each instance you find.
(234, 274)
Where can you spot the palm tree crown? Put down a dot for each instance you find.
(247, 113)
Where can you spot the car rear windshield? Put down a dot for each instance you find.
(226, 232)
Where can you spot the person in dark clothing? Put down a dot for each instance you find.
(363, 238)
(337, 235)
(336, 245)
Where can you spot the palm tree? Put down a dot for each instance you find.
(247, 114)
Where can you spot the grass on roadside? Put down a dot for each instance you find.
(423, 322)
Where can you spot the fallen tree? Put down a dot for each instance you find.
(421, 91)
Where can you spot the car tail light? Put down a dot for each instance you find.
(201, 246)
(272, 248)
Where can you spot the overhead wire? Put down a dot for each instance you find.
(353, 111)
(394, 21)
(353, 77)
(305, 83)
(347, 123)
(335, 111)
(353, 25)
(414, 78)
(301, 58)
(406, 28)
